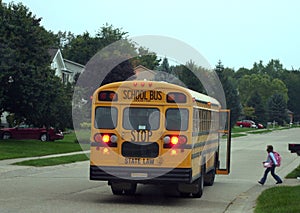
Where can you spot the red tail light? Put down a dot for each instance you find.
(174, 140)
(106, 139)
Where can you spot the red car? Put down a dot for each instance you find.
(28, 132)
(249, 124)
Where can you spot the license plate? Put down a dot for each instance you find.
(139, 175)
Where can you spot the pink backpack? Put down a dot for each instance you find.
(278, 158)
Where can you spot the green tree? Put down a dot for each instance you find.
(232, 97)
(277, 109)
(241, 72)
(263, 84)
(274, 69)
(248, 112)
(291, 80)
(187, 74)
(258, 68)
(63, 39)
(145, 58)
(25, 75)
(121, 72)
(108, 34)
(82, 48)
(165, 67)
(259, 114)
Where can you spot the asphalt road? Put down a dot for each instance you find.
(67, 188)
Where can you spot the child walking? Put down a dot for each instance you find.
(271, 160)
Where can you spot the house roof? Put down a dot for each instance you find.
(52, 52)
(141, 68)
(73, 62)
(142, 72)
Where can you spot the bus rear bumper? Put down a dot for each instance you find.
(141, 175)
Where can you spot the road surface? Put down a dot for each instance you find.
(67, 188)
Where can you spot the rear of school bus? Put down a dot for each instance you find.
(142, 132)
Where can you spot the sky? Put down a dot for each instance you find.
(236, 32)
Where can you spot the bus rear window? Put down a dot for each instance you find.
(135, 118)
(106, 117)
(177, 119)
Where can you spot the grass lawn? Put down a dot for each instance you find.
(31, 148)
(279, 199)
(54, 160)
(295, 173)
(237, 129)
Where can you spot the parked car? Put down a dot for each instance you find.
(246, 123)
(30, 132)
(249, 124)
(260, 126)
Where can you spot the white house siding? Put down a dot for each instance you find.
(74, 68)
(65, 69)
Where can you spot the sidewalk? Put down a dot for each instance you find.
(246, 201)
(6, 165)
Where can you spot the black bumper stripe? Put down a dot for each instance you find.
(154, 175)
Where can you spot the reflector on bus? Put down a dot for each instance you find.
(107, 96)
(176, 97)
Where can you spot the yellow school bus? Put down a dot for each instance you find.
(157, 133)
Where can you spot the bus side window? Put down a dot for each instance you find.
(196, 120)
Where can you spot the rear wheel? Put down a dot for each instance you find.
(200, 185)
(209, 178)
(184, 194)
(44, 137)
(123, 188)
(6, 135)
(116, 190)
(132, 189)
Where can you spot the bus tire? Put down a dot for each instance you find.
(209, 178)
(132, 189)
(116, 190)
(200, 185)
(184, 194)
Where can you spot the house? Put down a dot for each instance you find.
(64, 68)
(143, 73)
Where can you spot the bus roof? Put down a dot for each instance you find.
(196, 95)
(202, 97)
